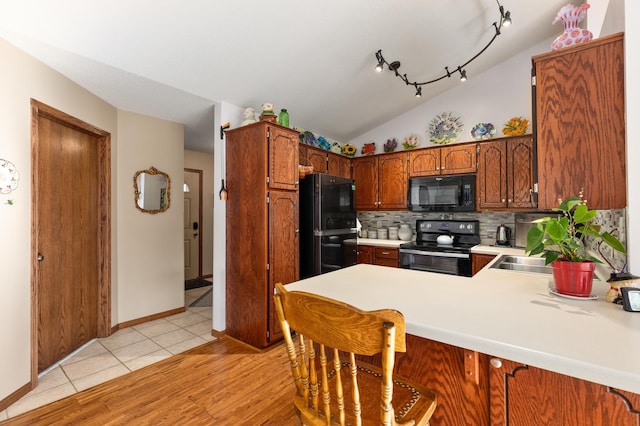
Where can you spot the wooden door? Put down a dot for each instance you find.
(580, 124)
(283, 251)
(192, 222)
(392, 181)
(71, 240)
(424, 162)
(338, 165)
(318, 159)
(492, 176)
(458, 159)
(283, 158)
(365, 174)
(520, 173)
(524, 395)
(365, 254)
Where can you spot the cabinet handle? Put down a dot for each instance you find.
(385, 252)
(495, 363)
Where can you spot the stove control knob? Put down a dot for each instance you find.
(470, 227)
(461, 226)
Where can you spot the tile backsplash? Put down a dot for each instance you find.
(489, 222)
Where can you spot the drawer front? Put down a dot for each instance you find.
(386, 253)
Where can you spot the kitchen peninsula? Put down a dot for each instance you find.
(499, 349)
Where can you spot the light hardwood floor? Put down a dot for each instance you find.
(220, 383)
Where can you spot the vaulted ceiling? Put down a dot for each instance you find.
(173, 59)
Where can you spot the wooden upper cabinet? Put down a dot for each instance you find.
(392, 181)
(580, 123)
(454, 159)
(458, 159)
(520, 180)
(283, 158)
(318, 159)
(365, 173)
(505, 174)
(338, 165)
(424, 162)
(491, 180)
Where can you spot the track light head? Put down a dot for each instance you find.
(507, 19)
(463, 75)
(380, 60)
(418, 91)
(393, 66)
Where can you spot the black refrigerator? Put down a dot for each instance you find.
(327, 224)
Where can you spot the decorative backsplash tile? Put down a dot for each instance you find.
(489, 222)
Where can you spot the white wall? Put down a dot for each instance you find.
(204, 161)
(224, 112)
(632, 71)
(147, 265)
(23, 78)
(494, 96)
(150, 246)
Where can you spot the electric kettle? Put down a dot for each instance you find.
(503, 233)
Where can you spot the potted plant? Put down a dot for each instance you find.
(561, 241)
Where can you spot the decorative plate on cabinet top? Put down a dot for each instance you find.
(444, 128)
(483, 131)
(368, 148)
(515, 126)
(9, 177)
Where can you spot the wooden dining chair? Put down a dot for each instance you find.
(333, 386)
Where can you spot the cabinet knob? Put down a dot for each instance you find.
(495, 362)
(503, 200)
(509, 200)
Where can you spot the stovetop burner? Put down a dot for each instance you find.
(465, 234)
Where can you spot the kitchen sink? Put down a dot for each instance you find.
(522, 264)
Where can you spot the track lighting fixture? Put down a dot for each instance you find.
(463, 74)
(505, 21)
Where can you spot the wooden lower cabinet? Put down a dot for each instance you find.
(479, 261)
(383, 256)
(475, 389)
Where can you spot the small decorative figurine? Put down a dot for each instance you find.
(249, 116)
(267, 113)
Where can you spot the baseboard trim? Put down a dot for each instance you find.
(137, 321)
(12, 398)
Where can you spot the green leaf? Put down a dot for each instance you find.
(550, 256)
(613, 242)
(570, 203)
(535, 237)
(556, 230)
(582, 214)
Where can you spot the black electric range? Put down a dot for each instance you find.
(452, 257)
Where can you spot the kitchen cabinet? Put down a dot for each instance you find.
(479, 261)
(505, 174)
(580, 123)
(454, 159)
(381, 182)
(476, 389)
(365, 254)
(262, 227)
(520, 393)
(386, 256)
(375, 255)
(315, 157)
(338, 165)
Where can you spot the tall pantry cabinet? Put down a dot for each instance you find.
(262, 227)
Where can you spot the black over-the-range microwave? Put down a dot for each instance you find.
(442, 193)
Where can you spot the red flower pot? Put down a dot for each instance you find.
(573, 278)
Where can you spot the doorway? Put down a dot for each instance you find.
(192, 224)
(71, 235)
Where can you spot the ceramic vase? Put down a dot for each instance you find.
(571, 16)
(405, 233)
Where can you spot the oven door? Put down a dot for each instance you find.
(444, 263)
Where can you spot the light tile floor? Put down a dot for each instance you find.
(124, 351)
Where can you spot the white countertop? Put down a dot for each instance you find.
(380, 243)
(503, 314)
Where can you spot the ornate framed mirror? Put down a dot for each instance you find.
(152, 190)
